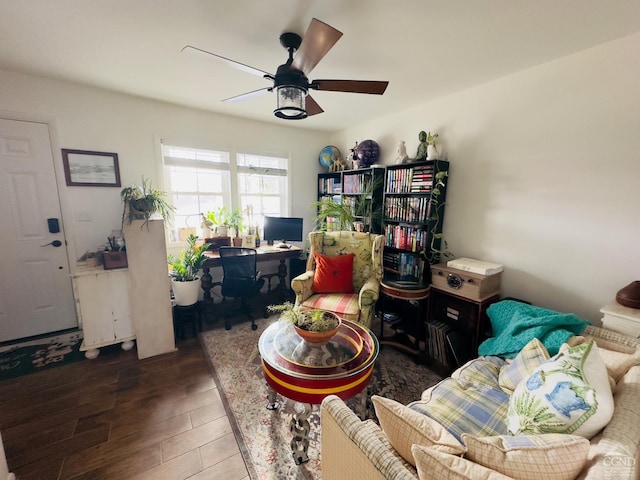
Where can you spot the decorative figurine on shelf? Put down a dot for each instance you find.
(402, 153)
(353, 156)
(434, 152)
(421, 153)
(337, 165)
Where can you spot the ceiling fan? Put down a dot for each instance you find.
(290, 81)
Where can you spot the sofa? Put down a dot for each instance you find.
(425, 448)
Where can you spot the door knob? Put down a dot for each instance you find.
(55, 243)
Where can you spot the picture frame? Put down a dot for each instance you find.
(85, 168)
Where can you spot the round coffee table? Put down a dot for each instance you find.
(307, 373)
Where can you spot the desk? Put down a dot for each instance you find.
(265, 254)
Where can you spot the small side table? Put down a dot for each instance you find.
(187, 314)
(403, 306)
(621, 319)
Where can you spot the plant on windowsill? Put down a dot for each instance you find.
(142, 202)
(220, 219)
(235, 222)
(184, 269)
(316, 327)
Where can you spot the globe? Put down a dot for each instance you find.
(328, 155)
(368, 153)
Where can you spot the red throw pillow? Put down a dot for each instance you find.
(333, 274)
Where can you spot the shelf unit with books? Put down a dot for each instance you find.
(362, 189)
(413, 214)
(329, 186)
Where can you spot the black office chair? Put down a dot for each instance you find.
(241, 279)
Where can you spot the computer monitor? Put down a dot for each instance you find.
(282, 229)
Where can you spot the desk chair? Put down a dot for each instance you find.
(241, 279)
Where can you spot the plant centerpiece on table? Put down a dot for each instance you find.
(316, 327)
(143, 201)
(184, 271)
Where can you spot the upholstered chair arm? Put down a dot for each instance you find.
(301, 285)
(369, 292)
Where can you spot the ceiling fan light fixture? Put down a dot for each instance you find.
(291, 102)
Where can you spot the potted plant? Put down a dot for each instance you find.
(184, 271)
(141, 202)
(235, 222)
(220, 219)
(316, 327)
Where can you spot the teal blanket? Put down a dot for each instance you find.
(515, 324)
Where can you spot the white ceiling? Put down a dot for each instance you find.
(425, 48)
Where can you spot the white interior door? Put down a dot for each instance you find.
(36, 294)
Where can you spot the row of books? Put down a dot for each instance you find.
(329, 185)
(355, 183)
(407, 209)
(446, 345)
(410, 180)
(404, 265)
(406, 238)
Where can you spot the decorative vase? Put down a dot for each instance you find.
(186, 293)
(221, 231)
(317, 339)
(434, 152)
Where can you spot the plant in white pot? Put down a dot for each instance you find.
(184, 269)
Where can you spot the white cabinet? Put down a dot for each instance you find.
(621, 319)
(102, 303)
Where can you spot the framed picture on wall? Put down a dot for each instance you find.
(84, 168)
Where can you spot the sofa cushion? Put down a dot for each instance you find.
(432, 464)
(333, 274)
(405, 427)
(568, 394)
(472, 402)
(552, 456)
(529, 358)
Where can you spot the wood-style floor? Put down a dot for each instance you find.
(117, 417)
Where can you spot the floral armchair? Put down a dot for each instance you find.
(358, 306)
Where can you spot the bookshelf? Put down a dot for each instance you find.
(361, 189)
(413, 215)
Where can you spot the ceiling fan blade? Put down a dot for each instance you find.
(248, 95)
(317, 41)
(312, 106)
(351, 86)
(233, 63)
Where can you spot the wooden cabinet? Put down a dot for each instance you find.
(102, 305)
(456, 326)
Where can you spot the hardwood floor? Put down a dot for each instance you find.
(117, 417)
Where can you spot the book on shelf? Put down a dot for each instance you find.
(475, 266)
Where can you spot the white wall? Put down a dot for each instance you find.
(545, 174)
(91, 119)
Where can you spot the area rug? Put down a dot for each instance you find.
(39, 354)
(263, 435)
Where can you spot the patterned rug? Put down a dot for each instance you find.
(40, 354)
(263, 435)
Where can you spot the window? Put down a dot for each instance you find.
(200, 181)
